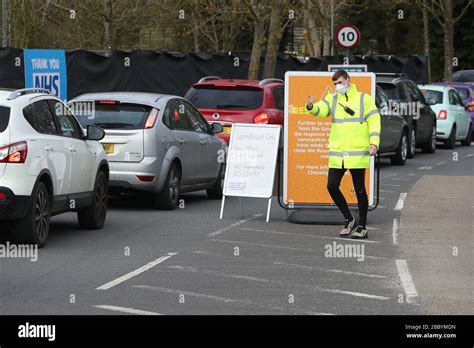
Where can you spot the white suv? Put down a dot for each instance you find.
(48, 166)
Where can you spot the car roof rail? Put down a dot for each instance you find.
(395, 75)
(271, 80)
(209, 78)
(19, 92)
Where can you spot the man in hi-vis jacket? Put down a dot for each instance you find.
(355, 136)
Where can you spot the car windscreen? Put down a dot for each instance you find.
(390, 90)
(430, 94)
(463, 93)
(220, 97)
(112, 115)
(4, 118)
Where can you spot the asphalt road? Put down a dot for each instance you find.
(188, 261)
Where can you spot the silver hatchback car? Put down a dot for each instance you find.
(156, 143)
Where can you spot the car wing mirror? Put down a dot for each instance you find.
(216, 128)
(95, 133)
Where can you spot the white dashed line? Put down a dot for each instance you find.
(407, 282)
(396, 227)
(389, 185)
(312, 236)
(401, 201)
(126, 310)
(135, 272)
(235, 224)
(388, 191)
(225, 299)
(400, 179)
(427, 168)
(470, 155)
(440, 163)
(317, 288)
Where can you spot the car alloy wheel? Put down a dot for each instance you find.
(41, 216)
(101, 199)
(173, 185)
(404, 147)
(413, 141)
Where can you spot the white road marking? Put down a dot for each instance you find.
(235, 224)
(389, 185)
(411, 174)
(314, 268)
(389, 175)
(396, 227)
(407, 282)
(386, 190)
(357, 294)
(440, 163)
(427, 168)
(135, 272)
(125, 310)
(470, 155)
(225, 299)
(254, 244)
(238, 276)
(400, 179)
(401, 201)
(312, 236)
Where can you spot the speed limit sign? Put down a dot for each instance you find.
(347, 36)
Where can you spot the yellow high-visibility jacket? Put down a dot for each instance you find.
(350, 136)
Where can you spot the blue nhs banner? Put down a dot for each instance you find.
(46, 69)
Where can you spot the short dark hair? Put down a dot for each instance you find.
(340, 73)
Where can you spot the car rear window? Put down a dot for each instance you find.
(115, 115)
(219, 97)
(436, 95)
(390, 90)
(4, 118)
(463, 93)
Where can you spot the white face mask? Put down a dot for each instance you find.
(341, 89)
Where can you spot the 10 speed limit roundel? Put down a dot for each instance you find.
(347, 36)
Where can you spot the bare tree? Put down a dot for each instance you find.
(442, 11)
(258, 10)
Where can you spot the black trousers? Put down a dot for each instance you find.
(358, 178)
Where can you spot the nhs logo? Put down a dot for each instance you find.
(49, 81)
(46, 69)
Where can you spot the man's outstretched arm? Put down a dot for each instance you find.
(320, 109)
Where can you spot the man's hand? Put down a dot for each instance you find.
(372, 150)
(310, 102)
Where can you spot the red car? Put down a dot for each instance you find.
(238, 101)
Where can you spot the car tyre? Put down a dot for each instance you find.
(400, 156)
(34, 227)
(412, 143)
(430, 145)
(467, 141)
(450, 143)
(93, 217)
(168, 198)
(215, 192)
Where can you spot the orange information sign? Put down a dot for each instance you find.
(307, 138)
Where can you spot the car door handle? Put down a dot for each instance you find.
(182, 141)
(203, 142)
(72, 149)
(48, 148)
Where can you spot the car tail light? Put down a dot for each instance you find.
(14, 153)
(442, 115)
(150, 121)
(3, 196)
(108, 102)
(471, 107)
(146, 178)
(261, 118)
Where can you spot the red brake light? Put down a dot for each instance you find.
(14, 153)
(442, 115)
(3, 196)
(150, 121)
(261, 118)
(108, 102)
(423, 90)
